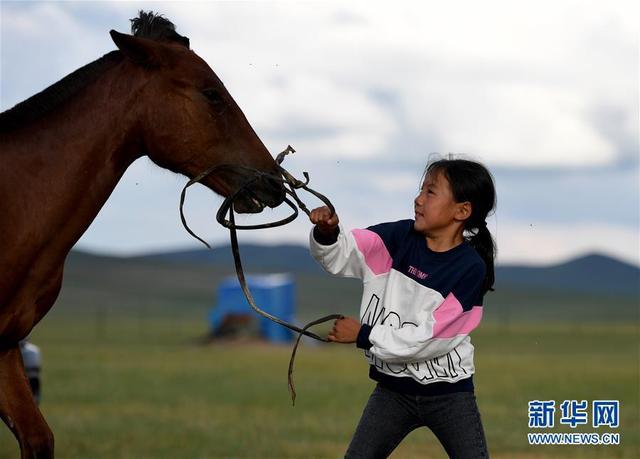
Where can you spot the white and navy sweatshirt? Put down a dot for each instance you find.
(418, 306)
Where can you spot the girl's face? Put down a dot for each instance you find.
(435, 208)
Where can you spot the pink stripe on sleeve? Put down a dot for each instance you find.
(451, 320)
(375, 253)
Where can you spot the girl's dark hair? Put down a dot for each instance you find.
(471, 181)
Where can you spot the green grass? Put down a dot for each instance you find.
(133, 387)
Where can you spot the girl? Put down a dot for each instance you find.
(424, 282)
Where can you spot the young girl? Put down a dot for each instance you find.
(424, 282)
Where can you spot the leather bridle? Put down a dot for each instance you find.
(290, 185)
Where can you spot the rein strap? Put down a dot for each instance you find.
(290, 185)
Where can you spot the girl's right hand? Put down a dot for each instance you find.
(322, 218)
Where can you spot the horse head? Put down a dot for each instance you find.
(189, 121)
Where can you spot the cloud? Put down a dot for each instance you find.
(347, 123)
(525, 85)
(26, 30)
(150, 221)
(517, 85)
(544, 93)
(549, 243)
(513, 124)
(573, 197)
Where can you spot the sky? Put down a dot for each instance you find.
(544, 93)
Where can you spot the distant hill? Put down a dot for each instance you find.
(589, 274)
(592, 273)
(294, 258)
(592, 289)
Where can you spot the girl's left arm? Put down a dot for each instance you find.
(452, 321)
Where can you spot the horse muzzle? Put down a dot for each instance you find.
(263, 191)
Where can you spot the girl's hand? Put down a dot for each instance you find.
(322, 217)
(344, 330)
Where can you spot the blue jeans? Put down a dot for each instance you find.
(389, 417)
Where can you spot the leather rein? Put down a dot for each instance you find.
(290, 185)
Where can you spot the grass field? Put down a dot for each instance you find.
(127, 388)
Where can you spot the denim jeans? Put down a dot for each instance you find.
(389, 416)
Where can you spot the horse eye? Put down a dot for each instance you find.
(213, 96)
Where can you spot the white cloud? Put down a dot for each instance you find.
(320, 116)
(54, 40)
(150, 220)
(541, 243)
(516, 84)
(513, 124)
(401, 182)
(512, 84)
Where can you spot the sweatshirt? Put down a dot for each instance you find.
(418, 306)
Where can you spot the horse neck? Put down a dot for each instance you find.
(70, 160)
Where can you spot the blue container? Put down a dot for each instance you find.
(273, 293)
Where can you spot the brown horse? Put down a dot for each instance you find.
(63, 151)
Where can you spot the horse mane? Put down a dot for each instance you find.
(146, 25)
(156, 27)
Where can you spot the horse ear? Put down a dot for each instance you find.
(139, 50)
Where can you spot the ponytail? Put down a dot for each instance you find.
(484, 244)
(471, 181)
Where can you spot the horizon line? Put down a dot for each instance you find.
(155, 252)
